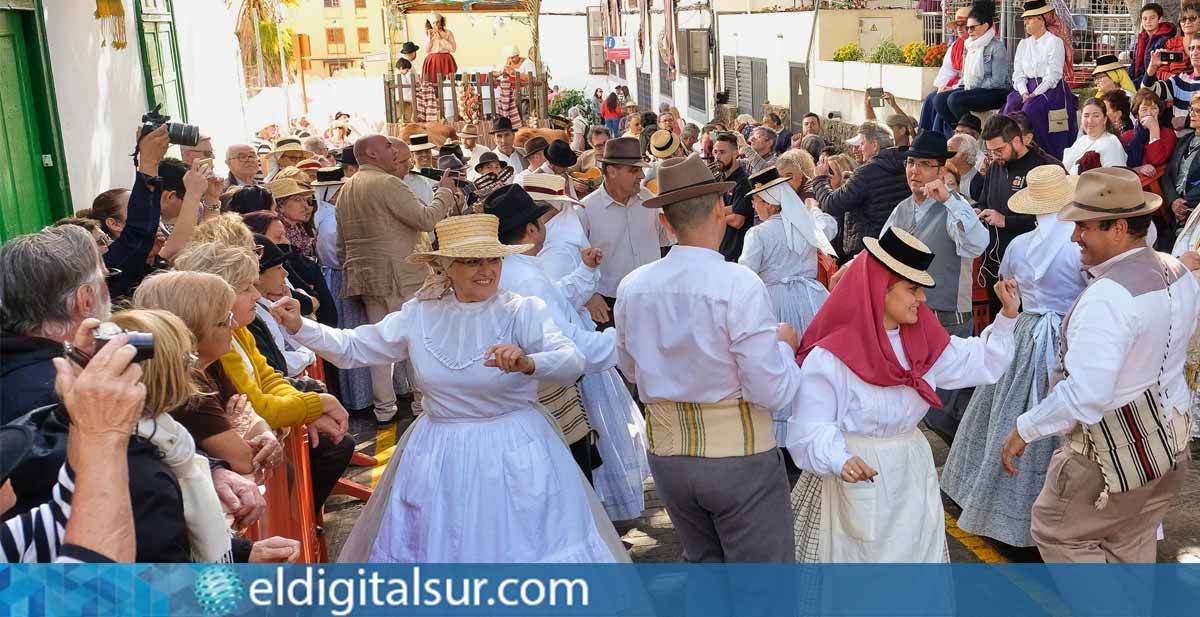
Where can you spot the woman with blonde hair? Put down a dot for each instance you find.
(228, 229)
(219, 418)
(841, 166)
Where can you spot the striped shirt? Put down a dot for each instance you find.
(1183, 86)
(36, 536)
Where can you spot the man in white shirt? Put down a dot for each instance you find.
(502, 134)
(471, 147)
(947, 224)
(699, 338)
(616, 223)
(535, 156)
(421, 186)
(1120, 388)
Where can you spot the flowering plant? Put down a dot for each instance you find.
(914, 53)
(850, 52)
(934, 55)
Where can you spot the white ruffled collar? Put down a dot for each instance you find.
(458, 334)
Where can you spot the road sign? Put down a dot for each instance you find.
(610, 42)
(620, 53)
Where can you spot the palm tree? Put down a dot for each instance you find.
(258, 35)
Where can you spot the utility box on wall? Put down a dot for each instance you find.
(873, 30)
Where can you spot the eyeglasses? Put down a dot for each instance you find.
(1189, 19)
(925, 164)
(229, 322)
(998, 152)
(245, 158)
(1194, 110)
(975, 27)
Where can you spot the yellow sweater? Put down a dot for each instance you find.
(273, 397)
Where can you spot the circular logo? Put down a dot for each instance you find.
(218, 590)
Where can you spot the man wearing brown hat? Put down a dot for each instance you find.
(379, 221)
(472, 149)
(1118, 391)
(616, 223)
(535, 156)
(708, 387)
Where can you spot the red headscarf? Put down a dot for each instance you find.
(850, 326)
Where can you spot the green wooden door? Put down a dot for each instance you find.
(24, 203)
(160, 58)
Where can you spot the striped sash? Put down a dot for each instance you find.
(567, 408)
(731, 427)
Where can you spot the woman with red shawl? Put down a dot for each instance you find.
(870, 362)
(1041, 67)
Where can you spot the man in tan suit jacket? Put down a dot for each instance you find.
(379, 222)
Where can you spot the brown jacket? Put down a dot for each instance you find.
(379, 221)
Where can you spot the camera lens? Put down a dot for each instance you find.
(143, 342)
(183, 134)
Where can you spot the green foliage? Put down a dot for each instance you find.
(570, 98)
(887, 52)
(850, 52)
(270, 44)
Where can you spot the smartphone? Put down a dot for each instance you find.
(876, 96)
(207, 166)
(1171, 56)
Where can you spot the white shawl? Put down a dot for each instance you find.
(973, 64)
(799, 222)
(208, 533)
(1046, 241)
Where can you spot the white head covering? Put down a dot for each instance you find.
(1048, 238)
(801, 227)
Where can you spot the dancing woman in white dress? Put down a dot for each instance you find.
(782, 251)
(870, 362)
(482, 475)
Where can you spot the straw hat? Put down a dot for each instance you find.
(547, 187)
(282, 189)
(419, 142)
(1108, 193)
(310, 164)
(962, 13)
(1033, 8)
(765, 179)
(290, 144)
(680, 179)
(470, 236)
(1048, 189)
(903, 254)
(663, 144)
(1108, 62)
(509, 51)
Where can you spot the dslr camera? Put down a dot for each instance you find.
(142, 342)
(177, 132)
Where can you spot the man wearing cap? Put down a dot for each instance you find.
(946, 223)
(867, 199)
(739, 212)
(616, 223)
(502, 134)
(1118, 391)
(471, 146)
(948, 75)
(379, 221)
(722, 479)
(535, 156)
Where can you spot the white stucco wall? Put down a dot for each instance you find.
(778, 38)
(101, 91)
(101, 97)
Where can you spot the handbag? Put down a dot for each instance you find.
(1132, 444)
(1058, 119)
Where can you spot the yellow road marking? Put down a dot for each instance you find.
(385, 445)
(974, 543)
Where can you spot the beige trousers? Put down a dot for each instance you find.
(384, 393)
(1069, 529)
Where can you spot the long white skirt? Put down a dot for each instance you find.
(796, 301)
(500, 490)
(621, 428)
(898, 518)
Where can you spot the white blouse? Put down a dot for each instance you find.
(1039, 58)
(833, 400)
(766, 251)
(446, 341)
(1108, 146)
(1062, 280)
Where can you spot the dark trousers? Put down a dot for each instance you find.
(733, 509)
(586, 456)
(957, 103)
(931, 120)
(328, 460)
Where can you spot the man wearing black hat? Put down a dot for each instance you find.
(970, 125)
(519, 218)
(947, 224)
(502, 134)
(349, 163)
(559, 158)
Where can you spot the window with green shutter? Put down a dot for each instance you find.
(160, 57)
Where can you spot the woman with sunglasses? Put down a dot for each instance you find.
(985, 80)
